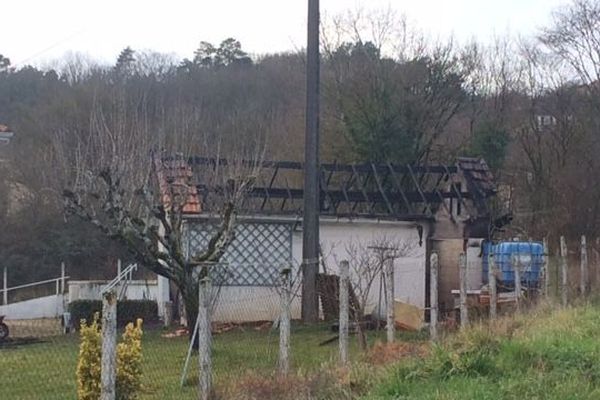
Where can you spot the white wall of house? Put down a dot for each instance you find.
(409, 271)
(474, 264)
(248, 303)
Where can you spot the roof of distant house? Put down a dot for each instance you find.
(5, 134)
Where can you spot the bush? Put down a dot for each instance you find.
(127, 311)
(89, 364)
(129, 362)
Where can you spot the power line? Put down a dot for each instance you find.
(52, 46)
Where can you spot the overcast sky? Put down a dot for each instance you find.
(34, 31)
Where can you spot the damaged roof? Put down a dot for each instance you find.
(175, 184)
(384, 191)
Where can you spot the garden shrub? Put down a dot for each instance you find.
(129, 361)
(89, 365)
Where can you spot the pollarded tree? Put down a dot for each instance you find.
(140, 200)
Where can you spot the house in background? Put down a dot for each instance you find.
(443, 208)
(6, 135)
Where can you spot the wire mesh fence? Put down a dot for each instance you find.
(41, 357)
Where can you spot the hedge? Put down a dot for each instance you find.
(127, 311)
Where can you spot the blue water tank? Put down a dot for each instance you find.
(530, 254)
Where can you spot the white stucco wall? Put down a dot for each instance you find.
(91, 290)
(262, 304)
(41, 307)
(409, 271)
(474, 264)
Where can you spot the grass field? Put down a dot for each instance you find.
(547, 355)
(47, 370)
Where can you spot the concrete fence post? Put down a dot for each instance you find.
(63, 274)
(584, 272)
(205, 339)
(284, 321)
(545, 270)
(5, 286)
(516, 261)
(389, 297)
(595, 249)
(464, 311)
(563, 271)
(492, 286)
(344, 310)
(109, 346)
(433, 297)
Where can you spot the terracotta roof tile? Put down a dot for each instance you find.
(175, 179)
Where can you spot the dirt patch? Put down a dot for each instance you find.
(257, 387)
(387, 353)
(224, 327)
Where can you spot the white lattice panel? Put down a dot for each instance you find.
(255, 256)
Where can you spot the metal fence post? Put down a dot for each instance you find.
(464, 311)
(584, 278)
(389, 296)
(563, 271)
(492, 286)
(344, 310)
(109, 346)
(284, 321)
(204, 339)
(433, 296)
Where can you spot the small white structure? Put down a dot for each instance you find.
(92, 290)
(51, 304)
(41, 307)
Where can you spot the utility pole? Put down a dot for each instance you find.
(310, 226)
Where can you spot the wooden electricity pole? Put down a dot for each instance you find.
(310, 227)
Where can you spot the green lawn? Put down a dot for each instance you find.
(47, 370)
(548, 355)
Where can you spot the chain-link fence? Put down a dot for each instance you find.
(256, 346)
(256, 338)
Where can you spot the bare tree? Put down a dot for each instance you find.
(574, 38)
(140, 198)
(367, 262)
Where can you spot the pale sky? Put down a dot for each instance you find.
(34, 31)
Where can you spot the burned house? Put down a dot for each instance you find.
(423, 208)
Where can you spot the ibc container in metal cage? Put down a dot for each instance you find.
(530, 255)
